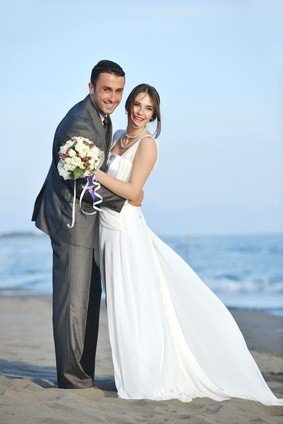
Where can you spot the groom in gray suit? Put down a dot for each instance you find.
(76, 277)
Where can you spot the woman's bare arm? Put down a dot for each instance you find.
(143, 163)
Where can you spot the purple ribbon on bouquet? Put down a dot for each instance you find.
(92, 186)
(91, 190)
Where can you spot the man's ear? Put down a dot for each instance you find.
(91, 88)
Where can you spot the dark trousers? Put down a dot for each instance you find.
(76, 304)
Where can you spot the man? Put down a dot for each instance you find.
(76, 278)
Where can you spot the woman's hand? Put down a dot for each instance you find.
(138, 201)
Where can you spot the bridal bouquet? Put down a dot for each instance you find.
(80, 158)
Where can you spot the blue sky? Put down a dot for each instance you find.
(218, 68)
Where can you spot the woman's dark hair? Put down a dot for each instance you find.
(153, 94)
(108, 67)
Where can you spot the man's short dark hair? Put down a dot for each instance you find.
(108, 67)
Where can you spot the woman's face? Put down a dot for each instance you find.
(142, 110)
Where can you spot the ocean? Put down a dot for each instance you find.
(243, 271)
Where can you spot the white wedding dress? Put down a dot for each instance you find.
(170, 336)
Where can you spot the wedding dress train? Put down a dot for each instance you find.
(170, 336)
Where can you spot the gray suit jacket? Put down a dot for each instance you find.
(53, 206)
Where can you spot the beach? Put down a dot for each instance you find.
(28, 378)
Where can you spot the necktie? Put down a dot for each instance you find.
(105, 122)
(106, 126)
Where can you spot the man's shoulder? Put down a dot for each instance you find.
(78, 111)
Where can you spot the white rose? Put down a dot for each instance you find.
(99, 160)
(77, 162)
(92, 163)
(83, 150)
(72, 153)
(95, 151)
(79, 141)
(69, 167)
(62, 171)
(63, 149)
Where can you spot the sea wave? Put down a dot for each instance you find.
(242, 271)
(232, 285)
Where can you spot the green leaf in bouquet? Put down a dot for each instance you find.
(77, 173)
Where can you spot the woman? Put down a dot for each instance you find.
(171, 337)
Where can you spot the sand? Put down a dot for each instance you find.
(28, 392)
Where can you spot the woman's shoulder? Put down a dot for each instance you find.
(148, 147)
(149, 140)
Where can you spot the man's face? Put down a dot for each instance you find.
(107, 93)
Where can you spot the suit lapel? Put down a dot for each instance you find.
(96, 120)
(109, 134)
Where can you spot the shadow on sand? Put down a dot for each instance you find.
(45, 377)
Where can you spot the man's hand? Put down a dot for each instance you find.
(138, 200)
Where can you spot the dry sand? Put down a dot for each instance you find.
(29, 394)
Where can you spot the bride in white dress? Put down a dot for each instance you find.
(171, 337)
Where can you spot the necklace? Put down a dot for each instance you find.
(125, 136)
